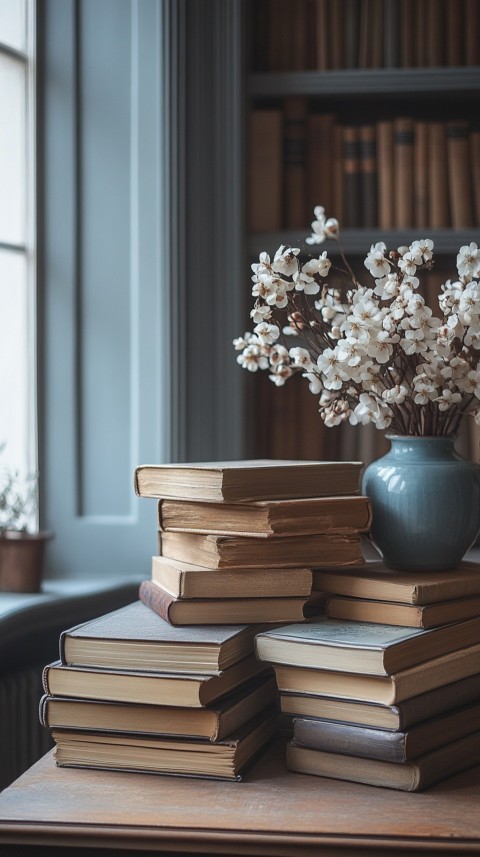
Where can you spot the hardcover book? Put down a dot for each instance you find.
(378, 583)
(212, 723)
(202, 611)
(412, 776)
(377, 689)
(213, 551)
(360, 647)
(267, 518)
(397, 717)
(185, 580)
(240, 481)
(133, 637)
(407, 615)
(152, 688)
(225, 759)
(400, 747)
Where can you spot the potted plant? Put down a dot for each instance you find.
(21, 548)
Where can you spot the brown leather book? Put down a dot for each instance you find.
(420, 33)
(351, 177)
(368, 175)
(459, 175)
(435, 29)
(385, 174)
(420, 174)
(295, 206)
(408, 26)
(322, 34)
(219, 611)
(320, 162)
(336, 18)
(403, 139)
(265, 164)
(438, 207)
(338, 177)
(455, 28)
(472, 32)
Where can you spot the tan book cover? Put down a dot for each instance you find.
(407, 615)
(459, 175)
(438, 205)
(403, 161)
(265, 165)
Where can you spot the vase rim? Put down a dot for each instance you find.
(410, 437)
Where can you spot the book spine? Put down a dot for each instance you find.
(459, 177)
(385, 174)
(472, 32)
(437, 176)
(351, 177)
(156, 599)
(295, 166)
(320, 161)
(391, 29)
(298, 18)
(350, 740)
(407, 34)
(351, 28)
(420, 174)
(321, 27)
(368, 175)
(419, 33)
(264, 197)
(435, 20)
(455, 25)
(403, 172)
(336, 17)
(475, 168)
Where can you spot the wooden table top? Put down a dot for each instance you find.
(271, 812)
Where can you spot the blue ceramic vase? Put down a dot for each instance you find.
(425, 502)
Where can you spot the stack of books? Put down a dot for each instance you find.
(238, 540)
(177, 689)
(132, 693)
(384, 689)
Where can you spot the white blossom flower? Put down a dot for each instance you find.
(252, 359)
(375, 261)
(280, 374)
(395, 395)
(301, 357)
(468, 261)
(322, 228)
(285, 260)
(267, 333)
(261, 313)
(304, 283)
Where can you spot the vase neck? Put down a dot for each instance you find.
(421, 448)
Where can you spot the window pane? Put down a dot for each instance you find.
(14, 360)
(12, 23)
(12, 151)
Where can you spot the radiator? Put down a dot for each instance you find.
(22, 739)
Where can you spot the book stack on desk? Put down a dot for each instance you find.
(131, 692)
(238, 540)
(377, 702)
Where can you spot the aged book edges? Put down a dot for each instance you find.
(360, 647)
(225, 759)
(134, 638)
(213, 723)
(412, 776)
(242, 481)
(184, 580)
(180, 611)
(267, 517)
(408, 615)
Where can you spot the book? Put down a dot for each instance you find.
(455, 23)
(240, 481)
(184, 580)
(368, 175)
(267, 518)
(381, 690)
(412, 776)
(154, 688)
(408, 615)
(437, 176)
(459, 174)
(475, 170)
(212, 723)
(264, 197)
(134, 638)
(420, 174)
(232, 551)
(320, 128)
(352, 205)
(388, 746)
(219, 611)
(225, 759)
(295, 208)
(378, 583)
(360, 647)
(472, 32)
(385, 174)
(403, 139)
(391, 29)
(401, 716)
(408, 28)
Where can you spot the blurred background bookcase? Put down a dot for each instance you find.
(370, 108)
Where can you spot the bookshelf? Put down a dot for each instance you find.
(433, 86)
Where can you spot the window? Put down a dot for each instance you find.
(17, 230)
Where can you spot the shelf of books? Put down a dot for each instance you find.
(366, 107)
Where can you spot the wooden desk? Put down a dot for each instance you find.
(272, 812)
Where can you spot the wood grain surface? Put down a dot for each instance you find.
(271, 812)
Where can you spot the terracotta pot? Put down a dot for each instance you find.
(21, 560)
